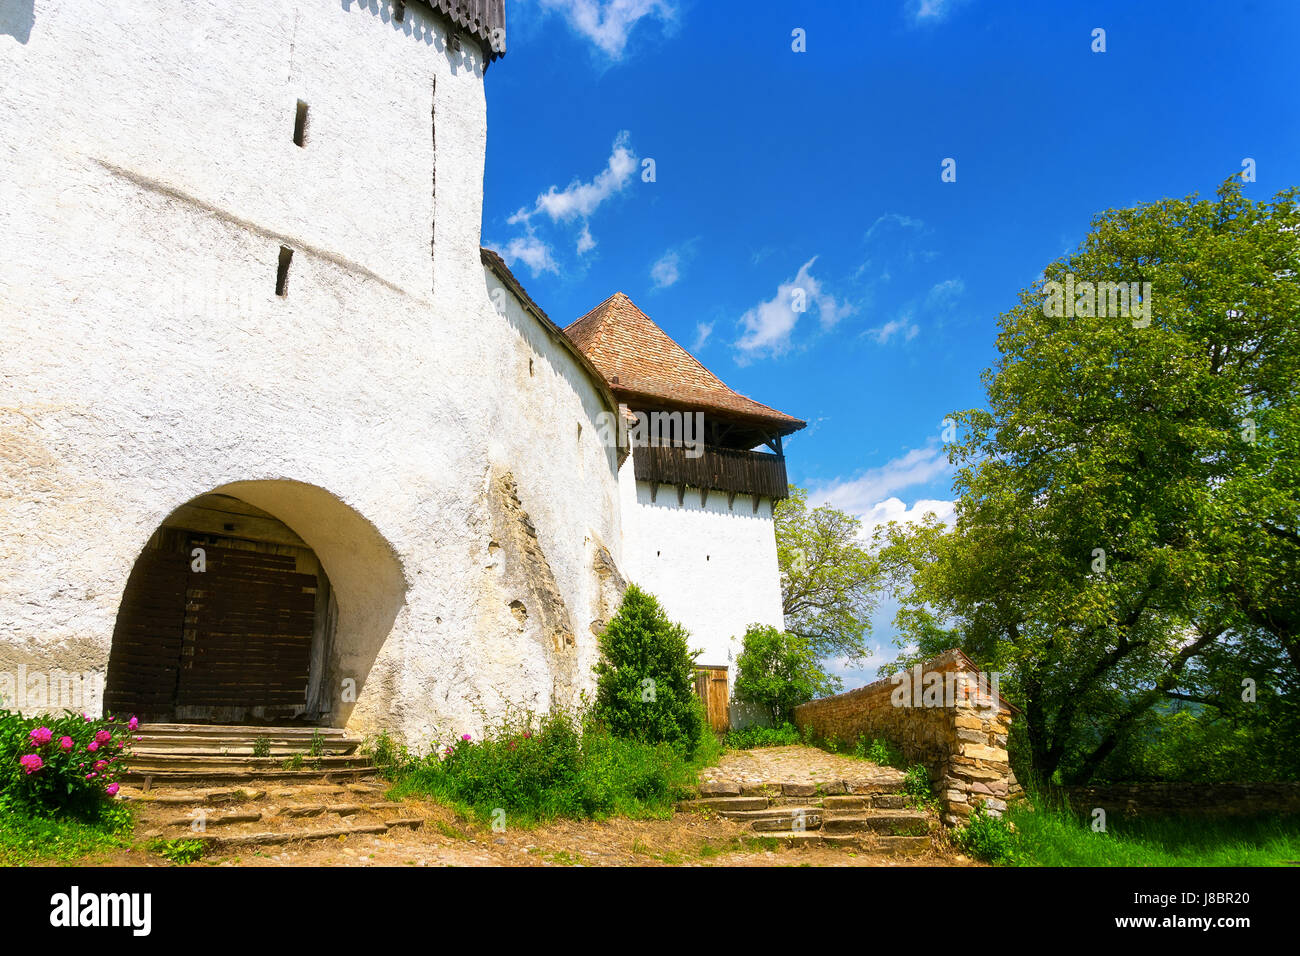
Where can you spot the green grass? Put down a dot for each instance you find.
(557, 766)
(1055, 837)
(26, 841)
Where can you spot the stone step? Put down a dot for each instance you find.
(191, 779)
(219, 842)
(893, 822)
(785, 818)
(887, 845)
(233, 746)
(152, 763)
(724, 803)
(241, 731)
(214, 819)
(878, 801)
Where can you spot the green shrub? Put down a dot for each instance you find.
(987, 838)
(262, 747)
(917, 788)
(645, 680)
(63, 766)
(553, 766)
(179, 852)
(753, 736)
(880, 751)
(777, 672)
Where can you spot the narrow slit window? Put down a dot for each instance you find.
(282, 273)
(399, 10)
(300, 125)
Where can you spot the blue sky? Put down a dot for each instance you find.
(776, 169)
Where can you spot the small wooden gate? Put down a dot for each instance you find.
(711, 685)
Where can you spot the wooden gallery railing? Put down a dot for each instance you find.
(718, 469)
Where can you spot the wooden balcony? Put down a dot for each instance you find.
(732, 470)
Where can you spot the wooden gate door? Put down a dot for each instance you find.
(711, 685)
(246, 648)
(144, 662)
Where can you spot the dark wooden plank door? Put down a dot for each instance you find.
(249, 621)
(144, 663)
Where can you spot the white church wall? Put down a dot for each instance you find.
(713, 567)
(148, 180)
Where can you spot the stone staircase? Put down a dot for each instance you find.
(202, 782)
(876, 817)
(187, 755)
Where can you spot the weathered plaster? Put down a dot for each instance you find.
(148, 178)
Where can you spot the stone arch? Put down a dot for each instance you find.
(259, 602)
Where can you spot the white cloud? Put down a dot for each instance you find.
(892, 220)
(874, 495)
(579, 199)
(930, 11)
(904, 327)
(702, 332)
(943, 294)
(608, 24)
(667, 270)
(532, 252)
(895, 509)
(767, 328)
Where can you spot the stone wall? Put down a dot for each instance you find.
(942, 714)
(1202, 799)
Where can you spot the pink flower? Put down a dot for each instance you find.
(527, 735)
(92, 746)
(31, 763)
(103, 737)
(138, 739)
(100, 765)
(42, 736)
(65, 743)
(464, 736)
(132, 724)
(91, 776)
(111, 790)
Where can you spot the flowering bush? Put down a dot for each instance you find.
(61, 766)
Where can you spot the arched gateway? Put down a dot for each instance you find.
(230, 615)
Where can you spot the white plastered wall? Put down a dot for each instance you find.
(148, 179)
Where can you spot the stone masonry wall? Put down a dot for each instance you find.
(940, 715)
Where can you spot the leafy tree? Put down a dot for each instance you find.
(1128, 502)
(828, 579)
(777, 671)
(645, 680)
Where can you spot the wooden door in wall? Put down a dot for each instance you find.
(223, 639)
(711, 685)
(246, 644)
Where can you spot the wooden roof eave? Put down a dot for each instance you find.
(781, 425)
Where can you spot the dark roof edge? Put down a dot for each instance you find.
(478, 18)
(783, 423)
(499, 268)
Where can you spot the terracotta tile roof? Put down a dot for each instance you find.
(643, 364)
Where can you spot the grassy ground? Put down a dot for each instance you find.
(1046, 837)
(27, 841)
